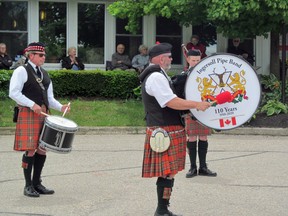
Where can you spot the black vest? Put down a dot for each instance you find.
(155, 115)
(32, 89)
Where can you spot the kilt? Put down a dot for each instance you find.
(194, 128)
(169, 162)
(28, 129)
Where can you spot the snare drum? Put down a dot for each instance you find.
(57, 134)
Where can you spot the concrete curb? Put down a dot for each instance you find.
(141, 130)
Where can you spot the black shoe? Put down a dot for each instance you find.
(30, 191)
(169, 213)
(43, 190)
(206, 172)
(191, 173)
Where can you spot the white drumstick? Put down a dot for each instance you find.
(43, 113)
(66, 109)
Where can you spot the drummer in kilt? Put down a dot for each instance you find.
(194, 129)
(162, 108)
(31, 88)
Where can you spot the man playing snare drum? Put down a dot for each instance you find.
(165, 144)
(31, 88)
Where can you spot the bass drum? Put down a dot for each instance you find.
(219, 73)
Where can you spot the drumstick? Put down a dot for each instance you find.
(66, 109)
(43, 113)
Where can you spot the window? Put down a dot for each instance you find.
(13, 27)
(169, 31)
(131, 41)
(207, 36)
(52, 29)
(91, 25)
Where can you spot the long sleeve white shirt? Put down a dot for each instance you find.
(157, 85)
(18, 79)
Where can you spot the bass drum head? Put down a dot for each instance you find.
(219, 73)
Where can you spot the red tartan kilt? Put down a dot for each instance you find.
(28, 129)
(166, 163)
(194, 128)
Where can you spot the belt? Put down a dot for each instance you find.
(169, 132)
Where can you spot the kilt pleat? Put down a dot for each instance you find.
(166, 163)
(194, 128)
(28, 129)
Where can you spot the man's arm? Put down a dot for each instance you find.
(181, 104)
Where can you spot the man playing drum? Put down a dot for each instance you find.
(194, 129)
(31, 88)
(165, 144)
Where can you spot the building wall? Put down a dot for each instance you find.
(261, 45)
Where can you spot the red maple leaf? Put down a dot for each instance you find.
(227, 122)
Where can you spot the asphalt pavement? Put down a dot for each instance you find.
(101, 176)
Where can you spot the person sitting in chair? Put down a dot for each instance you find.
(120, 60)
(72, 62)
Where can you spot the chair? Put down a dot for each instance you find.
(109, 65)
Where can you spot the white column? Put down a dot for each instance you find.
(110, 35)
(33, 22)
(149, 30)
(262, 54)
(72, 24)
(222, 43)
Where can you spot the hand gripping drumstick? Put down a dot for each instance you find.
(43, 113)
(66, 109)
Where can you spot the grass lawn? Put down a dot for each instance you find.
(96, 112)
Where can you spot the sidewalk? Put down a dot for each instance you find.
(141, 130)
(102, 177)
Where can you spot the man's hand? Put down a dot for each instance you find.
(36, 108)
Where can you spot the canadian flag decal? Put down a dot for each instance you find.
(227, 121)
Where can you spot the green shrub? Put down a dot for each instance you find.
(274, 107)
(88, 83)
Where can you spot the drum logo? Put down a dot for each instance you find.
(58, 139)
(216, 83)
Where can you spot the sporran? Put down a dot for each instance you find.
(159, 140)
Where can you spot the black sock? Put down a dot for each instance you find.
(192, 153)
(163, 184)
(27, 163)
(38, 166)
(202, 152)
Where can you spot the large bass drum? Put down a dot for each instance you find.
(219, 73)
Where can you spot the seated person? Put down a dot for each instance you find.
(22, 60)
(5, 60)
(234, 49)
(140, 61)
(71, 62)
(120, 60)
(194, 44)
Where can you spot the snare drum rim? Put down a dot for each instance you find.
(259, 85)
(60, 127)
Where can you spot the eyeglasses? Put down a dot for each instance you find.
(236, 40)
(169, 56)
(40, 54)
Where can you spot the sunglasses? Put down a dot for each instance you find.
(169, 56)
(40, 54)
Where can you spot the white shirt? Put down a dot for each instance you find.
(18, 79)
(157, 85)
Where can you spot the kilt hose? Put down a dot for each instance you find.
(169, 162)
(194, 128)
(28, 129)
